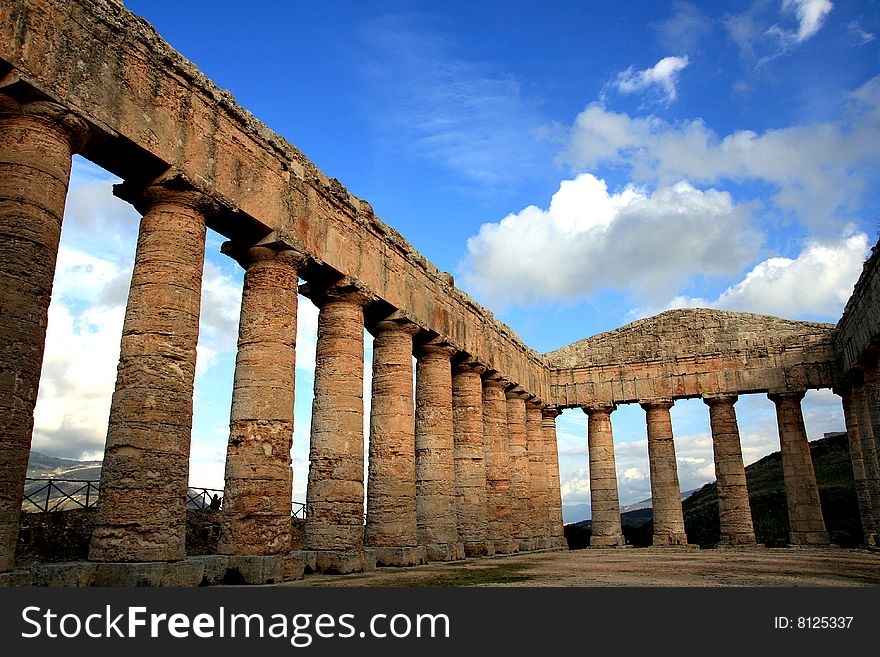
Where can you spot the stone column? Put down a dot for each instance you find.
(37, 140)
(435, 470)
(259, 479)
(554, 492)
(604, 499)
(539, 512)
(867, 510)
(391, 492)
(495, 437)
(519, 468)
(871, 448)
(334, 526)
(863, 405)
(471, 493)
(665, 491)
(142, 510)
(807, 526)
(734, 510)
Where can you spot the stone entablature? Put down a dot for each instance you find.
(152, 110)
(692, 352)
(858, 332)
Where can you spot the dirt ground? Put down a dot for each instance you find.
(681, 567)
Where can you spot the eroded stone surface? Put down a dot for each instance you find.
(604, 499)
(665, 491)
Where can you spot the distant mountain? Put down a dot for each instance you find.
(576, 513)
(648, 503)
(41, 466)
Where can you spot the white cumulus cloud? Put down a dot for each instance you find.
(589, 239)
(810, 15)
(663, 76)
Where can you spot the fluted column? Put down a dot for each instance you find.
(867, 510)
(334, 525)
(37, 140)
(539, 514)
(807, 526)
(519, 468)
(471, 492)
(142, 510)
(435, 469)
(554, 492)
(604, 498)
(500, 526)
(259, 483)
(665, 491)
(734, 510)
(391, 491)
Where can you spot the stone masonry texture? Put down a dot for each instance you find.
(259, 479)
(539, 507)
(335, 494)
(548, 424)
(604, 500)
(434, 445)
(391, 489)
(471, 492)
(860, 478)
(665, 491)
(37, 140)
(141, 513)
(519, 491)
(801, 493)
(730, 474)
(500, 526)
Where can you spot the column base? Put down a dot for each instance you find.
(505, 546)
(607, 541)
(398, 556)
(558, 543)
(337, 562)
(526, 544)
(542, 543)
(445, 551)
(476, 549)
(669, 540)
(809, 538)
(737, 539)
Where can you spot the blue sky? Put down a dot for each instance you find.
(575, 165)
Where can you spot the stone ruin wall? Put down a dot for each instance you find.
(692, 353)
(858, 331)
(155, 112)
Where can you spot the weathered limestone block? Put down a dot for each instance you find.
(259, 479)
(665, 491)
(860, 478)
(37, 140)
(520, 488)
(471, 490)
(733, 495)
(435, 469)
(604, 498)
(141, 514)
(554, 491)
(335, 495)
(801, 492)
(539, 511)
(495, 437)
(391, 490)
(867, 405)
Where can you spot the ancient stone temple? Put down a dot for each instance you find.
(461, 453)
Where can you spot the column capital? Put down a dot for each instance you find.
(171, 187)
(600, 409)
(248, 256)
(713, 400)
(517, 392)
(550, 412)
(346, 290)
(468, 365)
(494, 380)
(76, 128)
(394, 322)
(535, 403)
(435, 347)
(653, 404)
(779, 396)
